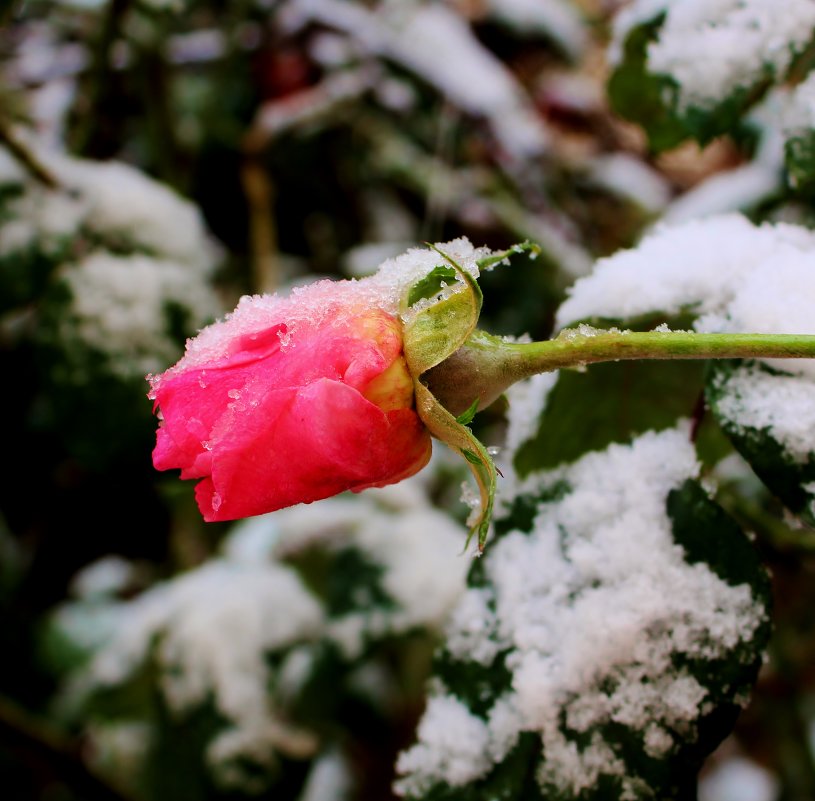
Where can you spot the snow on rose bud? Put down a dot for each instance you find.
(290, 400)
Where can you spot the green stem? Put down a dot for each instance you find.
(574, 348)
(485, 365)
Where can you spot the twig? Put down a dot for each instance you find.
(274, 118)
(26, 157)
(259, 192)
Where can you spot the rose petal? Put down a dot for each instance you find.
(303, 444)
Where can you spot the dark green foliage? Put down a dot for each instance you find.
(477, 685)
(710, 536)
(24, 275)
(640, 97)
(799, 159)
(346, 580)
(607, 403)
(521, 514)
(174, 770)
(466, 417)
(652, 100)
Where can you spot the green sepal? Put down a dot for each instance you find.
(430, 336)
(445, 427)
(434, 333)
(527, 246)
(466, 417)
(433, 283)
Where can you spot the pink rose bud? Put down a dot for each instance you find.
(289, 400)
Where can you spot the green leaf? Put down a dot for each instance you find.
(722, 671)
(25, 274)
(346, 580)
(527, 246)
(608, 403)
(790, 479)
(638, 96)
(513, 779)
(710, 536)
(653, 100)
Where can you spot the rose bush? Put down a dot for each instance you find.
(290, 400)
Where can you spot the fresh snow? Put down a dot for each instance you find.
(436, 44)
(738, 779)
(737, 278)
(594, 605)
(417, 547)
(712, 48)
(119, 306)
(210, 630)
(781, 404)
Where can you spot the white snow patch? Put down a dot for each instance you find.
(739, 779)
(558, 19)
(103, 578)
(417, 547)
(711, 48)
(595, 603)
(328, 780)
(451, 748)
(799, 116)
(148, 214)
(210, 631)
(629, 177)
(633, 14)
(745, 187)
(739, 277)
(436, 43)
(782, 404)
(119, 307)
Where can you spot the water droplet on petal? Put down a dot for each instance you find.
(216, 501)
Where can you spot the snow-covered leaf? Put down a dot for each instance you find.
(768, 416)
(692, 70)
(608, 639)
